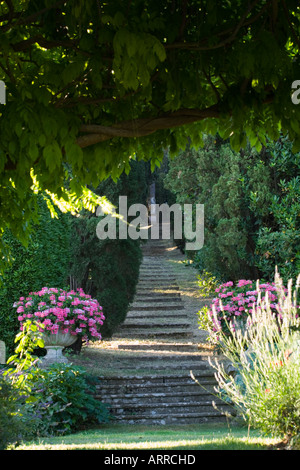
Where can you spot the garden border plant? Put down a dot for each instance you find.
(43, 402)
(265, 356)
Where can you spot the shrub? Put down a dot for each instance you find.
(65, 400)
(10, 421)
(107, 270)
(56, 400)
(16, 418)
(207, 284)
(266, 359)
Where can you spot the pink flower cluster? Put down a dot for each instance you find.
(71, 312)
(238, 301)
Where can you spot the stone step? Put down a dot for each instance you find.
(159, 269)
(159, 297)
(163, 357)
(151, 369)
(155, 279)
(157, 276)
(113, 392)
(157, 286)
(146, 333)
(134, 381)
(149, 321)
(155, 245)
(155, 252)
(192, 347)
(151, 266)
(167, 314)
(153, 331)
(162, 295)
(153, 248)
(146, 288)
(176, 419)
(182, 362)
(161, 409)
(154, 298)
(156, 306)
(194, 396)
(155, 326)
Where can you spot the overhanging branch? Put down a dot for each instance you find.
(94, 133)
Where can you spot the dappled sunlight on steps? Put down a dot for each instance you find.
(147, 379)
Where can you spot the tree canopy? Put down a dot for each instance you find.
(91, 85)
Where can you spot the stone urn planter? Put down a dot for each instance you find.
(62, 318)
(54, 345)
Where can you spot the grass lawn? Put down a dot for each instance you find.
(191, 437)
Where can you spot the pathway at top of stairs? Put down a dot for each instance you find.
(146, 366)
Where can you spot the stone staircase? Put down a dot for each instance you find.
(148, 378)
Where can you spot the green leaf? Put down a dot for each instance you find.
(18, 129)
(52, 155)
(31, 399)
(42, 140)
(33, 151)
(160, 51)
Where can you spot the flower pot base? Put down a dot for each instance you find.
(54, 355)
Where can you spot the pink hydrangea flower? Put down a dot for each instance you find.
(67, 311)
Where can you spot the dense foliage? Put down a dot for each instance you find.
(252, 203)
(90, 84)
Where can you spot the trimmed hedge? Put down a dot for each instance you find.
(109, 269)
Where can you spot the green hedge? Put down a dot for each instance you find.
(109, 269)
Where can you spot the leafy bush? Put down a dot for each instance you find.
(107, 270)
(17, 420)
(56, 400)
(278, 237)
(266, 359)
(207, 284)
(11, 425)
(65, 400)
